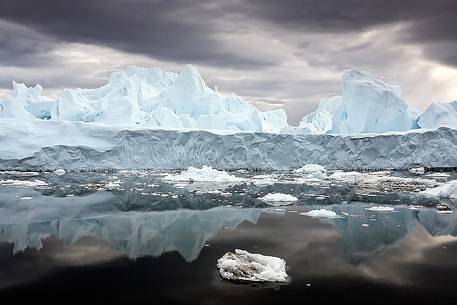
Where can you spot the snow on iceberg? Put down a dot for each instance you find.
(446, 190)
(245, 266)
(204, 174)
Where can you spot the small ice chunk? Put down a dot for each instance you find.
(312, 171)
(321, 213)
(380, 209)
(275, 198)
(245, 266)
(417, 170)
(204, 174)
(59, 172)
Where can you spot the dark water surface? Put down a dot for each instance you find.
(128, 243)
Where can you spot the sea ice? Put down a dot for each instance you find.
(321, 213)
(245, 266)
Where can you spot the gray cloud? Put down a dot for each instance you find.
(169, 30)
(289, 52)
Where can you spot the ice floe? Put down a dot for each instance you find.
(245, 266)
(278, 199)
(321, 213)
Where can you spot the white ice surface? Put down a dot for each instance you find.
(245, 266)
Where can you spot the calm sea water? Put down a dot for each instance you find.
(130, 237)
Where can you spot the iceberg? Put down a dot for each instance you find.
(245, 266)
(439, 114)
(166, 100)
(150, 118)
(367, 105)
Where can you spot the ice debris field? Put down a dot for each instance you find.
(149, 118)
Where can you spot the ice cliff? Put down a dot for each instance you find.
(72, 145)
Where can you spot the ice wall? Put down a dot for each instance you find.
(161, 149)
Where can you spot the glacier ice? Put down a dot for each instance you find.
(245, 266)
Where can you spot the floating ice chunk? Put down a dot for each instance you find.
(447, 190)
(245, 266)
(321, 213)
(278, 198)
(204, 174)
(312, 171)
(380, 209)
(417, 170)
(60, 172)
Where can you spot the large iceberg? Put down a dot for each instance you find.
(367, 105)
(149, 98)
(149, 118)
(438, 115)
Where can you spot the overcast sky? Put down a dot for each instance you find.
(288, 53)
